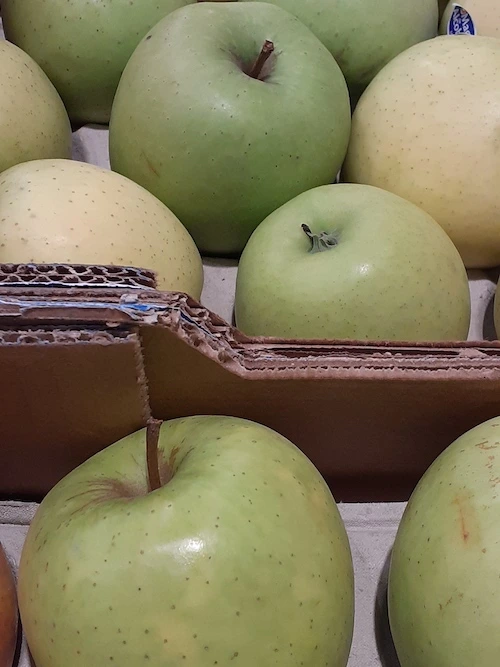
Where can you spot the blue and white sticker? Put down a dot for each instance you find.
(460, 22)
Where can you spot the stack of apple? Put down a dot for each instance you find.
(214, 541)
(237, 118)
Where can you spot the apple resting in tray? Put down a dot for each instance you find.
(201, 541)
(352, 261)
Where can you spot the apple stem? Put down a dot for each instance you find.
(321, 242)
(152, 438)
(264, 55)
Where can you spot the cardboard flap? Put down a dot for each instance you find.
(206, 332)
(65, 394)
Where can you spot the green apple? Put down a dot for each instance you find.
(352, 262)
(436, 105)
(363, 36)
(33, 121)
(203, 541)
(68, 212)
(226, 111)
(83, 45)
(444, 583)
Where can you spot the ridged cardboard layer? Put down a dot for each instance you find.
(82, 275)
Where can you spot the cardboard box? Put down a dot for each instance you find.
(91, 364)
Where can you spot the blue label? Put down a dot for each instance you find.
(460, 22)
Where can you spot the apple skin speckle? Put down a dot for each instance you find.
(65, 211)
(207, 595)
(33, 121)
(428, 129)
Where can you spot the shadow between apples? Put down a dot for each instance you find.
(489, 331)
(383, 637)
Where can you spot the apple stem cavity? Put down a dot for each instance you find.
(264, 55)
(320, 242)
(152, 439)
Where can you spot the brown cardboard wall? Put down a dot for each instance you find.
(65, 394)
(371, 435)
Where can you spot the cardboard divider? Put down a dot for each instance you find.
(372, 421)
(372, 417)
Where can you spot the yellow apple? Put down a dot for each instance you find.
(428, 130)
(33, 121)
(64, 211)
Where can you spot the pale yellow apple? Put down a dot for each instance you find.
(64, 211)
(33, 121)
(428, 129)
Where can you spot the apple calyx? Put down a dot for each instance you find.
(321, 242)
(152, 438)
(265, 53)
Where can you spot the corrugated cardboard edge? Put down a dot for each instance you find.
(396, 406)
(252, 358)
(81, 275)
